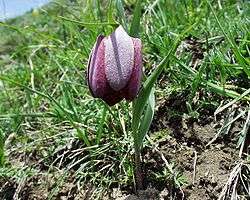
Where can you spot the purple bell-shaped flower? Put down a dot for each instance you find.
(115, 67)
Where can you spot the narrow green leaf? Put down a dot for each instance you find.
(146, 120)
(87, 23)
(197, 80)
(110, 12)
(236, 51)
(232, 102)
(121, 14)
(135, 24)
(99, 10)
(225, 92)
(141, 100)
(101, 125)
(243, 135)
(41, 115)
(1, 148)
(69, 101)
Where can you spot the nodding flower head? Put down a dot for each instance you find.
(115, 67)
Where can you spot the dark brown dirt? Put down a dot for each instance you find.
(205, 168)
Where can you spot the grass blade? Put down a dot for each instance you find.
(121, 14)
(232, 102)
(101, 125)
(236, 51)
(140, 102)
(1, 148)
(135, 24)
(88, 24)
(146, 120)
(244, 133)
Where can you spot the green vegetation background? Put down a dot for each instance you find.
(47, 115)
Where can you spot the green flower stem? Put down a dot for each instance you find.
(138, 170)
